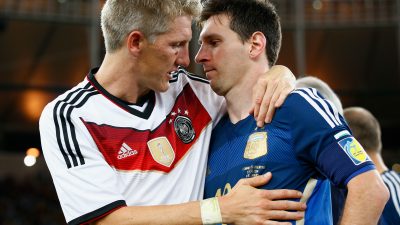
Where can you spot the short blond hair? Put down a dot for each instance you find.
(151, 17)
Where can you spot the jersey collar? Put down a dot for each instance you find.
(149, 98)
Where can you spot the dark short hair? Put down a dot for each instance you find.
(247, 17)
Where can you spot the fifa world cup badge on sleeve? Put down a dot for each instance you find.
(161, 151)
(354, 150)
(256, 145)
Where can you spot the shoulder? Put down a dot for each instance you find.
(307, 97)
(73, 98)
(308, 103)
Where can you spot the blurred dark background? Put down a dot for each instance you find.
(48, 46)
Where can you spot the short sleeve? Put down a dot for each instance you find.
(321, 137)
(86, 185)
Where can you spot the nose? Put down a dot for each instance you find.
(200, 56)
(183, 57)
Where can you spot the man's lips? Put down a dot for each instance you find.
(208, 70)
(169, 75)
(171, 72)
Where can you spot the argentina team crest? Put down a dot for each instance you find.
(161, 151)
(184, 129)
(354, 150)
(256, 145)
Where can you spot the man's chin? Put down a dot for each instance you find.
(217, 90)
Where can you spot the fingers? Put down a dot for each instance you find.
(286, 205)
(270, 92)
(266, 104)
(282, 91)
(258, 93)
(256, 181)
(245, 204)
(279, 96)
(269, 222)
(284, 215)
(285, 92)
(270, 108)
(281, 194)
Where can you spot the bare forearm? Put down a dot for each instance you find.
(244, 205)
(187, 213)
(365, 201)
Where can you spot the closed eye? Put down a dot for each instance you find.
(214, 42)
(178, 44)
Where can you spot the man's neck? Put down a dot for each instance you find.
(239, 98)
(118, 77)
(378, 161)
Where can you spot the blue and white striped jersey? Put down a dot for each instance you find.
(391, 213)
(306, 145)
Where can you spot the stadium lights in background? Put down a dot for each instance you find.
(33, 102)
(31, 156)
(317, 4)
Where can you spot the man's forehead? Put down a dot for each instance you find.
(213, 25)
(180, 28)
(219, 20)
(181, 23)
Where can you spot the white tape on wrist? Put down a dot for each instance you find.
(210, 211)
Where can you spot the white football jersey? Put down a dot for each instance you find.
(104, 153)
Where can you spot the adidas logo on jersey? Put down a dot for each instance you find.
(126, 151)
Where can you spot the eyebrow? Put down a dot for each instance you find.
(210, 36)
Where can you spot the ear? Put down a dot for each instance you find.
(258, 42)
(135, 41)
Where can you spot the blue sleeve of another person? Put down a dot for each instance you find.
(391, 213)
(322, 138)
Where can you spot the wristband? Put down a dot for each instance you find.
(210, 211)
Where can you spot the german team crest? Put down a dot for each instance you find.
(354, 150)
(256, 145)
(184, 129)
(161, 151)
